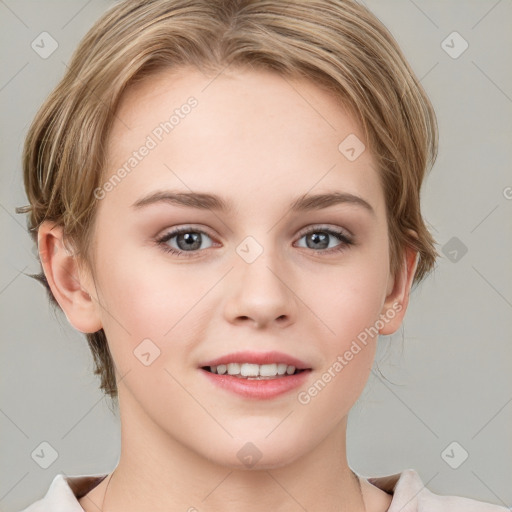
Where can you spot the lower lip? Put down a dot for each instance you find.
(254, 388)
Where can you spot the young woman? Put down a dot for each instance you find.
(226, 200)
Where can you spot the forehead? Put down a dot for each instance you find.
(244, 133)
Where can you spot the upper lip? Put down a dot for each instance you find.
(247, 356)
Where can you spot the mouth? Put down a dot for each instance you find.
(256, 375)
(251, 371)
(254, 381)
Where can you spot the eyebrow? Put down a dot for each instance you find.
(205, 201)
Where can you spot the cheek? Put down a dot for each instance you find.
(149, 298)
(352, 319)
(350, 311)
(350, 305)
(351, 297)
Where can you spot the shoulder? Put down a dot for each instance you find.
(63, 493)
(411, 495)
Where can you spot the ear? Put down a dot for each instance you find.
(399, 288)
(63, 275)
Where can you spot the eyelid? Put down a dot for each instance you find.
(313, 227)
(184, 228)
(326, 227)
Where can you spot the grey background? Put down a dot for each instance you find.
(445, 376)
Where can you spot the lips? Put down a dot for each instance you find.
(259, 358)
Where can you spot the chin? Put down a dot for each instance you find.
(243, 454)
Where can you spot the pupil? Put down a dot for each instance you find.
(319, 239)
(192, 240)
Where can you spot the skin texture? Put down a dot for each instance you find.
(260, 141)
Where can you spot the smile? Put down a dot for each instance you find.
(254, 371)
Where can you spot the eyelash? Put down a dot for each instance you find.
(345, 240)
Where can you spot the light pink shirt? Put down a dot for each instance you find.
(409, 495)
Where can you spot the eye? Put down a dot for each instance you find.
(321, 238)
(187, 240)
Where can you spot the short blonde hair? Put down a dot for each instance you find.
(337, 44)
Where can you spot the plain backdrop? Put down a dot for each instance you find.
(440, 394)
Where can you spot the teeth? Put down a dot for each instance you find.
(233, 368)
(281, 368)
(249, 370)
(267, 370)
(253, 370)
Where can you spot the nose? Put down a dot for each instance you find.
(261, 293)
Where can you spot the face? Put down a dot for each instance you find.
(268, 272)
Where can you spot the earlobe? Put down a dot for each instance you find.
(397, 299)
(62, 273)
